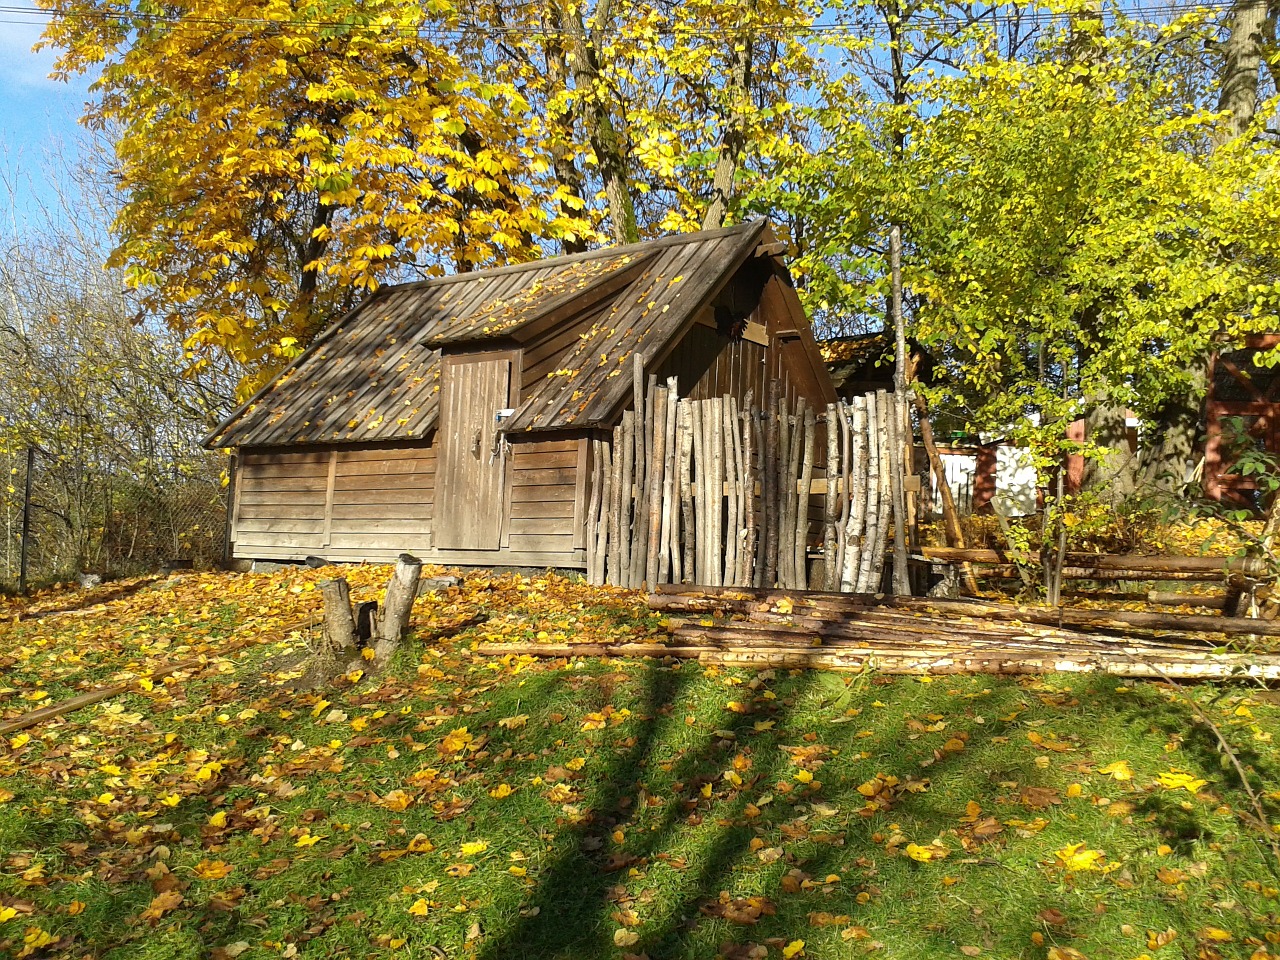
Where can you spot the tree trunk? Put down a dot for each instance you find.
(1165, 459)
(402, 590)
(1111, 471)
(733, 138)
(1242, 55)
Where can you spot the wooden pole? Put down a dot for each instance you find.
(614, 561)
(701, 463)
(733, 487)
(831, 507)
(801, 547)
(26, 520)
(623, 578)
(901, 575)
(750, 565)
(871, 521)
(657, 481)
(769, 476)
(844, 411)
(669, 558)
(688, 532)
(715, 438)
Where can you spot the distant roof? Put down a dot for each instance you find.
(374, 375)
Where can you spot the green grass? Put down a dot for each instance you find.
(642, 793)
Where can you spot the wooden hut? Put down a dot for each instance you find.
(453, 418)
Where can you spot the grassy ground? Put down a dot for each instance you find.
(495, 808)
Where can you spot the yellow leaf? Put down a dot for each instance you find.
(367, 653)
(213, 869)
(1079, 858)
(397, 800)
(785, 605)
(219, 819)
(1175, 780)
(456, 740)
(804, 776)
(420, 844)
(793, 949)
(1119, 770)
(473, 847)
(501, 791)
(7, 914)
(419, 908)
(623, 937)
(320, 705)
(1074, 790)
(1215, 934)
(20, 741)
(76, 907)
(577, 763)
(917, 852)
(517, 871)
(307, 840)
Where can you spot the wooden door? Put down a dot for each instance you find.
(470, 500)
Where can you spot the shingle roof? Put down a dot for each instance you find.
(375, 374)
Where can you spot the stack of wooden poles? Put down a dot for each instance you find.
(724, 493)
(906, 635)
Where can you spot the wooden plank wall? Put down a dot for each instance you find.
(373, 503)
(545, 513)
(709, 364)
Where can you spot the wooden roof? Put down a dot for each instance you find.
(374, 375)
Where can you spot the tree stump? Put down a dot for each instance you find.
(339, 622)
(402, 590)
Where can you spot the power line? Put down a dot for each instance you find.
(460, 29)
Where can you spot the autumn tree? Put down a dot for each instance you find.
(1070, 235)
(279, 160)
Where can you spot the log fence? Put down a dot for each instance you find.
(758, 493)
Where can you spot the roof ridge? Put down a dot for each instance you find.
(672, 239)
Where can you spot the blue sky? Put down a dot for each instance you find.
(38, 116)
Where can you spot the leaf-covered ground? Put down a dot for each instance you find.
(462, 806)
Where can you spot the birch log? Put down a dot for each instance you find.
(871, 520)
(884, 515)
(901, 577)
(855, 527)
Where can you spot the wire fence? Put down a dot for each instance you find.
(112, 524)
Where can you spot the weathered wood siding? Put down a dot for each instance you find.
(372, 503)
